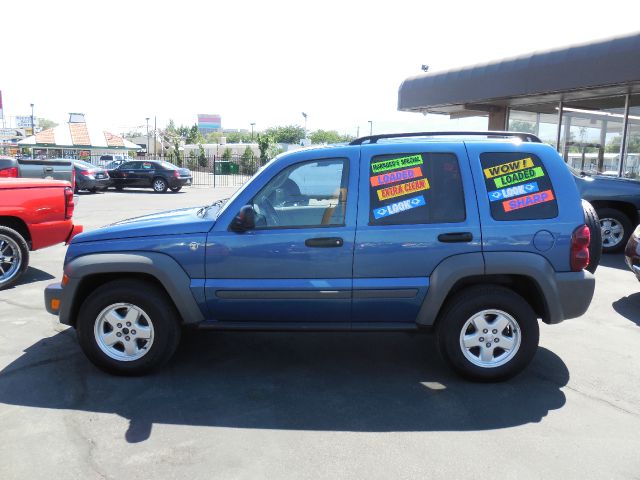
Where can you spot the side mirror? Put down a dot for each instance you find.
(244, 220)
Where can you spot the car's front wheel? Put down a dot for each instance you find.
(488, 333)
(159, 185)
(128, 327)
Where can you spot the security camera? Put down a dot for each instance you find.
(425, 68)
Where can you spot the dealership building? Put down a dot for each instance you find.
(584, 100)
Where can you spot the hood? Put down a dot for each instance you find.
(611, 186)
(175, 222)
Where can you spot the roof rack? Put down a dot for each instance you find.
(526, 137)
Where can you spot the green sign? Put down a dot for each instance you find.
(518, 177)
(394, 163)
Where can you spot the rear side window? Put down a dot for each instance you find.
(415, 188)
(518, 186)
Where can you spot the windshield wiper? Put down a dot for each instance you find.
(218, 203)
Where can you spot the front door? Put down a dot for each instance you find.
(417, 208)
(296, 265)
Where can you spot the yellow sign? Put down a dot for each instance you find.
(508, 167)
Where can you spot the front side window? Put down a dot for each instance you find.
(310, 194)
(128, 166)
(415, 188)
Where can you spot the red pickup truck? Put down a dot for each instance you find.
(33, 214)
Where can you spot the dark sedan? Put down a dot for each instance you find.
(155, 174)
(89, 177)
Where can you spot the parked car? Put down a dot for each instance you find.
(632, 252)
(56, 169)
(34, 214)
(617, 203)
(114, 164)
(89, 177)
(476, 238)
(155, 174)
(112, 161)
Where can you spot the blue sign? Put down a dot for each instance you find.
(514, 191)
(398, 207)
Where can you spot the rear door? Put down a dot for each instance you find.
(417, 207)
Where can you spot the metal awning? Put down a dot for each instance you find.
(609, 67)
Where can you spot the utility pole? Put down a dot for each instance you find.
(147, 137)
(370, 127)
(155, 137)
(33, 128)
(252, 132)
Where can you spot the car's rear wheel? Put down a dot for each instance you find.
(595, 246)
(128, 327)
(488, 333)
(119, 187)
(14, 256)
(159, 185)
(616, 229)
(176, 189)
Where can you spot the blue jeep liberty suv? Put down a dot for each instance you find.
(473, 235)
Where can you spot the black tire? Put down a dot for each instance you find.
(612, 216)
(176, 189)
(159, 185)
(153, 302)
(93, 190)
(14, 246)
(466, 304)
(595, 246)
(76, 189)
(119, 188)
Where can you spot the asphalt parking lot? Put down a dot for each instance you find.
(314, 405)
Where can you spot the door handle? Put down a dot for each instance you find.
(327, 242)
(455, 237)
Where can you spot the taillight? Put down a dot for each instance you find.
(69, 206)
(73, 178)
(176, 173)
(11, 172)
(580, 248)
(84, 172)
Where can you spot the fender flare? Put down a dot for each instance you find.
(163, 268)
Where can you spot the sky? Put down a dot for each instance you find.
(266, 62)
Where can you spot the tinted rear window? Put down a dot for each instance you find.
(415, 188)
(518, 186)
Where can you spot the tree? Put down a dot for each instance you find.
(287, 134)
(202, 158)
(521, 126)
(238, 137)
(328, 136)
(213, 137)
(171, 127)
(247, 162)
(264, 141)
(226, 155)
(45, 123)
(194, 136)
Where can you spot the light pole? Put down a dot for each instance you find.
(305, 124)
(370, 127)
(33, 129)
(252, 132)
(147, 136)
